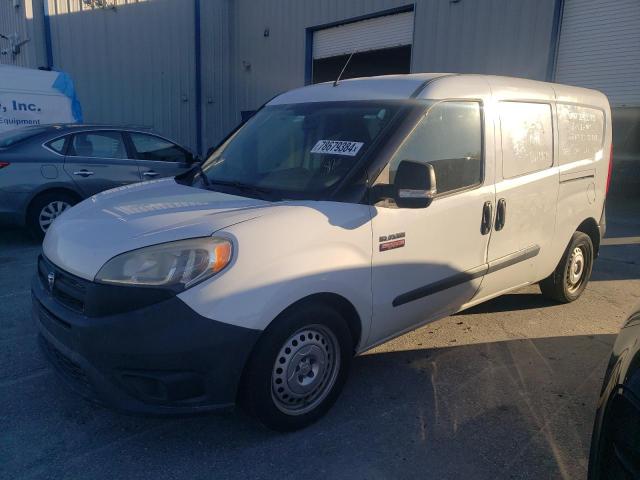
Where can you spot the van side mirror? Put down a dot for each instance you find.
(415, 184)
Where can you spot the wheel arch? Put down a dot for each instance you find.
(346, 309)
(340, 303)
(48, 191)
(590, 227)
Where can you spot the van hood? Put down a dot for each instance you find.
(86, 236)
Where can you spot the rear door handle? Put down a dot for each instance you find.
(501, 214)
(150, 173)
(487, 215)
(83, 173)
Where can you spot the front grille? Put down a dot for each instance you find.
(68, 368)
(67, 289)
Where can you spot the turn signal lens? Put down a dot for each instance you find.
(222, 256)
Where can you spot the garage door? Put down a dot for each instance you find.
(600, 48)
(381, 45)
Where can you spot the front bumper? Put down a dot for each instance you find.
(162, 358)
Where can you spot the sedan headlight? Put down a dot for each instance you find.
(178, 264)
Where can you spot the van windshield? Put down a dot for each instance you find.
(299, 150)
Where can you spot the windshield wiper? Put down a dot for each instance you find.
(265, 193)
(198, 169)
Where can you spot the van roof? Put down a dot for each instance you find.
(385, 87)
(28, 80)
(439, 86)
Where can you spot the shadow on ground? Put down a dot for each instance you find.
(494, 410)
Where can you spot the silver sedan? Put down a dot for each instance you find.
(45, 170)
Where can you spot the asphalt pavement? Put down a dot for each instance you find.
(507, 389)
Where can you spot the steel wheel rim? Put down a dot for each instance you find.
(305, 370)
(50, 212)
(577, 267)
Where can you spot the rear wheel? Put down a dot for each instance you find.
(298, 367)
(572, 274)
(45, 209)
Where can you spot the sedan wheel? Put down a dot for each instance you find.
(50, 212)
(45, 208)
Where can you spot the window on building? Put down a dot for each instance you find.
(449, 137)
(98, 145)
(150, 147)
(527, 138)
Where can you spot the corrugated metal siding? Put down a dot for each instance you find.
(262, 67)
(373, 34)
(216, 80)
(503, 37)
(26, 21)
(600, 48)
(483, 36)
(134, 64)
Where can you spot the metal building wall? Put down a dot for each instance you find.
(27, 21)
(216, 79)
(482, 36)
(134, 64)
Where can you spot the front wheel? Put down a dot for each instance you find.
(572, 274)
(298, 367)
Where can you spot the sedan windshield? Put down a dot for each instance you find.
(299, 149)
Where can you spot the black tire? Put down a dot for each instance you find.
(258, 393)
(562, 285)
(41, 202)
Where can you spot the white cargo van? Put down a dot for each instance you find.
(338, 217)
(36, 97)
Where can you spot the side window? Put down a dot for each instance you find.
(449, 137)
(98, 145)
(580, 133)
(150, 147)
(57, 145)
(527, 138)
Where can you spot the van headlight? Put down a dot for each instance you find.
(178, 265)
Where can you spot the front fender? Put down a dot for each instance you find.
(297, 250)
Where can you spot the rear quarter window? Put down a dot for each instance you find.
(57, 145)
(580, 133)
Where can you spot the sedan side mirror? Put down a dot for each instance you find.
(415, 184)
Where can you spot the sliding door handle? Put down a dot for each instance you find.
(487, 217)
(501, 214)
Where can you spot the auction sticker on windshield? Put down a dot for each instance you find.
(337, 147)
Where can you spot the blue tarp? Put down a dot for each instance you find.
(64, 84)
